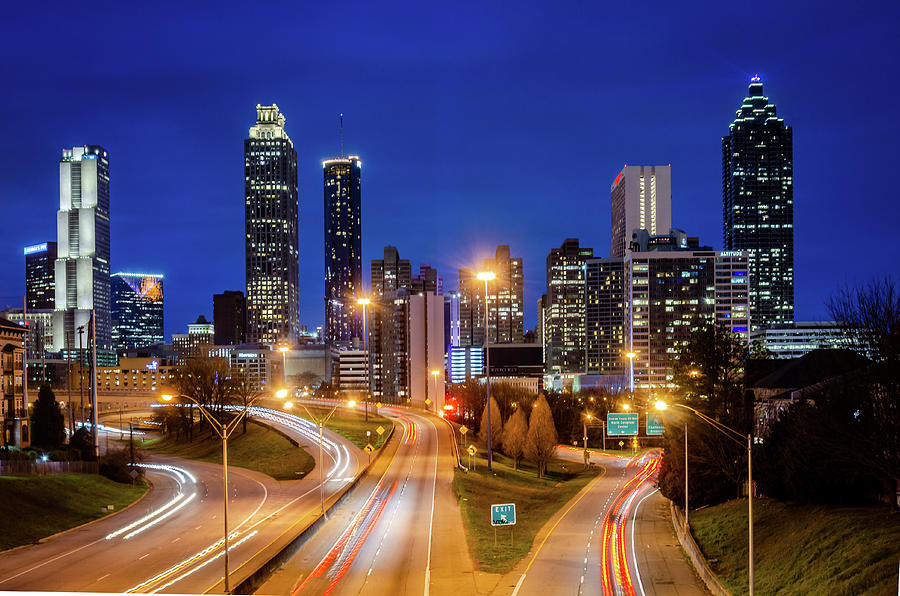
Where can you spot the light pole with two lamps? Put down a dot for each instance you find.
(320, 422)
(224, 431)
(739, 439)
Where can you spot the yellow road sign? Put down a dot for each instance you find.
(463, 430)
(368, 448)
(378, 405)
(427, 401)
(472, 450)
(380, 430)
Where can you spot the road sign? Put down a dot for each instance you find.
(621, 443)
(463, 430)
(133, 474)
(378, 405)
(380, 430)
(618, 424)
(654, 423)
(427, 401)
(503, 514)
(368, 448)
(472, 450)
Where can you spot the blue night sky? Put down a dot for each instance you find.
(478, 123)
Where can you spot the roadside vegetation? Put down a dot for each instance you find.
(260, 449)
(536, 499)
(351, 423)
(802, 549)
(73, 499)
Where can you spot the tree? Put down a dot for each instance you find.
(515, 436)
(496, 426)
(709, 370)
(246, 389)
(305, 379)
(47, 424)
(206, 380)
(542, 438)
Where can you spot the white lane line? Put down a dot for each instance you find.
(103, 577)
(143, 557)
(518, 585)
(637, 571)
(176, 540)
(431, 519)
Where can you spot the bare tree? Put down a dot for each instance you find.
(245, 389)
(515, 435)
(542, 437)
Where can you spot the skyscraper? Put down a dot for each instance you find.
(82, 233)
(390, 273)
(564, 310)
(343, 249)
(505, 294)
(641, 199)
(40, 261)
(758, 204)
(229, 318)
(272, 238)
(137, 309)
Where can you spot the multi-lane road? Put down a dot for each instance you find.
(172, 540)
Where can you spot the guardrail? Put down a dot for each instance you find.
(695, 554)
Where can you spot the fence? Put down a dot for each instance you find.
(47, 468)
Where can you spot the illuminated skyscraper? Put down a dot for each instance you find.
(758, 204)
(40, 261)
(505, 294)
(564, 310)
(343, 249)
(640, 199)
(82, 233)
(137, 309)
(272, 240)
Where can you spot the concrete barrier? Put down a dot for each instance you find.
(695, 554)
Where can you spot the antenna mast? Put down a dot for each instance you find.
(342, 135)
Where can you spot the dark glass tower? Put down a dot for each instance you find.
(137, 309)
(272, 238)
(40, 286)
(343, 249)
(229, 318)
(758, 205)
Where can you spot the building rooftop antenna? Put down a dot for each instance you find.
(342, 135)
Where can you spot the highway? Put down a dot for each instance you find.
(591, 548)
(171, 541)
(385, 546)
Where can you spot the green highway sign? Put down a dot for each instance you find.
(654, 423)
(618, 425)
(503, 515)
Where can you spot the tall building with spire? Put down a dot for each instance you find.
(758, 204)
(343, 249)
(272, 245)
(82, 234)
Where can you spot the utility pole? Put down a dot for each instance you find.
(94, 384)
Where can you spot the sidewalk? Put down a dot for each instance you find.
(665, 570)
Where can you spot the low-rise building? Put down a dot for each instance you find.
(13, 405)
(196, 342)
(794, 340)
(136, 375)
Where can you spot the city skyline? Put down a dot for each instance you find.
(453, 171)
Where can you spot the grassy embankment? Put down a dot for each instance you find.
(802, 549)
(39, 506)
(536, 499)
(261, 449)
(351, 423)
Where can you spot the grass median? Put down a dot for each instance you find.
(801, 549)
(39, 506)
(351, 423)
(536, 499)
(260, 449)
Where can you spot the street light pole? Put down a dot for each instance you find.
(486, 276)
(686, 509)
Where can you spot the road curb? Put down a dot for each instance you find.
(259, 570)
(695, 554)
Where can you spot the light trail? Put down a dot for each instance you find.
(167, 510)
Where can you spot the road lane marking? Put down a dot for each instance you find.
(431, 519)
(143, 557)
(103, 577)
(637, 571)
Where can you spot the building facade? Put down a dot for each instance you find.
(196, 342)
(797, 339)
(758, 204)
(137, 309)
(82, 269)
(40, 276)
(136, 374)
(605, 307)
(272, 243)
(14, 403)
(343, 249)
(390, 273)
(505, 301)
(640, 199)
(230, 318)
(564, 310)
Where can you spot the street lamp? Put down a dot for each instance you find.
(284, 351)
(364, 302)
(487, 276)
(739, 439)
(320, 422)
(224, 431)
(626, 406)
(434, 375)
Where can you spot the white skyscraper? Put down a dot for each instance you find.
(82, 264)
(641, 199)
